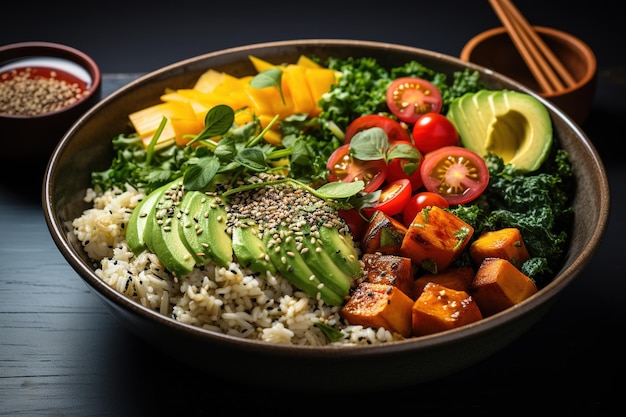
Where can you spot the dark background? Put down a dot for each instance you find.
(134, 36)
(61, 353)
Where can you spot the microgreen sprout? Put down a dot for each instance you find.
(155, 139)
(271, 77)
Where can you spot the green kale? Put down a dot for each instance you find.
(362, 88)
(539, 204)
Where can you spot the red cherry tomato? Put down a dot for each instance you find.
(343, 167)
(393, 198)
(398, 167)
(355, 222)
(392, 128)
(457, 174)
(408, 98)
(434, 130)
(420, 201)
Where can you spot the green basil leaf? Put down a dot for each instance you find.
(369, 144)
(252, 158)
(404, 151)
(339, 189)
(199, 175)
(271, 77)
(225, 149)
(217, 121)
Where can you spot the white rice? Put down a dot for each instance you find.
(227, 300)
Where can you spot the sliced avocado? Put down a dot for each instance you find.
(138, 222)
(484, 112)
(514, 125)
(188, 226)
(316, 255)
(165, 240)
(465, 120)
(250, 250)
(282, 249)
(203, 228)
(341, 249)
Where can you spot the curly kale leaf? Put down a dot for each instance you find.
(538, 204)
(362, 88)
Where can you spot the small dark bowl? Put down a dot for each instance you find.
(495, 50)
(37, 132)
(87, 147)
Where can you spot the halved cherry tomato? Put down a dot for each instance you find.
(408, 98)
(420, 201)
(355, 222)
(405, 167)
(457, 174)
(343, 167)
(393, 198)
(392, 128)
(434, 130)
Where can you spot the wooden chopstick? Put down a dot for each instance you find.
(541, 61)
(563, 72)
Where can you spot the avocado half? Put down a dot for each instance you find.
(513, 125)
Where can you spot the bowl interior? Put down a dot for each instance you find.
(82, 151)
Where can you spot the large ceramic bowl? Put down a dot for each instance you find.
(87, 147)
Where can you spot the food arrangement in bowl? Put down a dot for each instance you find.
(321, 202)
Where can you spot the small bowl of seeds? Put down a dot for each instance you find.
(44, 88)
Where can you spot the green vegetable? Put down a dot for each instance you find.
(538, 204)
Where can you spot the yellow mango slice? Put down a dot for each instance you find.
(185, 129)
(208, 80)
(306, 62)
(320, 80)
(295, 82)
(259, 64)
(147, 121)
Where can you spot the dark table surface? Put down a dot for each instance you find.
(62, 353)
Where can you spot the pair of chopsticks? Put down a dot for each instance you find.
(545, 66)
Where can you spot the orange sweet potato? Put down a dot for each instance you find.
(456, 278)
(505, 243)
(389, 269)
(383, 234)
(498, 285)
(439, 308)
(435, 239)
(379, 305)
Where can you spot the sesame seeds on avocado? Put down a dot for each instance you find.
(513, 125)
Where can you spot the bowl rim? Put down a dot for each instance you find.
(18, 50)
(546, 295)
(582, 47)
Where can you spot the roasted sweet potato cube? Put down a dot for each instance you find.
(456, 278)
(389, 269)
(498, 285)
(439, 308)
(379, 305)
(435, 239)
(383, 234)
(505, 243)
